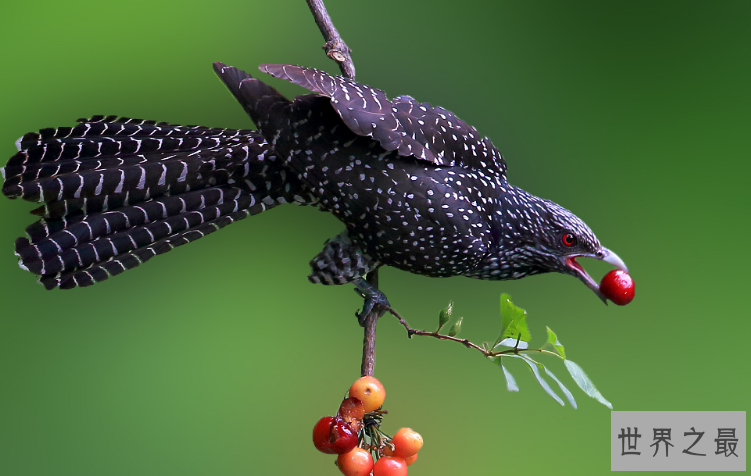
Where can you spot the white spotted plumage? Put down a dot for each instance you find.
(415, 186)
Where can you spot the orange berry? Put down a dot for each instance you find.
(390, 466)
(407, 442)
(411, 459)
(357, 462)
(370, 391)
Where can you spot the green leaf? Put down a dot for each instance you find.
(565, 391)
(513, 323)
(510, 380)
(536, 366)
(456, 327)
(445, 315)
(512, 342)
(553, 339)
(581, 379)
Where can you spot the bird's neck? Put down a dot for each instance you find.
(518, 222)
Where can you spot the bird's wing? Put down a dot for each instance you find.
(428, 133)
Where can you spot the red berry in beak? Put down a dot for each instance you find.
(618, 286)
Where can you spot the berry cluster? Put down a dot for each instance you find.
(354, 434)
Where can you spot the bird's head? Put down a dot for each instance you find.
(546, 237)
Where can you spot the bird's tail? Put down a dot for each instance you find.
(260, 101)
(117, 191)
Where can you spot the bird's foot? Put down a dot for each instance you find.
(375, 300)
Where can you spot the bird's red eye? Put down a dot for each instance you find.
(569, 239)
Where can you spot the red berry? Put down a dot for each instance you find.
(334, 436)
(351, 410)
(321, 434)
(618, 286)
(370, 391)
(390, 466)
(407, 442)
(357, 462)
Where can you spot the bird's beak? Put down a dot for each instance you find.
(612, 258)
(605, 255)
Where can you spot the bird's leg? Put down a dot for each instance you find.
(375, 300)
(343, 261)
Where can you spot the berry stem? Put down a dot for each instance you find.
(371, 438)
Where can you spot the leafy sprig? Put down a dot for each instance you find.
(514, 339)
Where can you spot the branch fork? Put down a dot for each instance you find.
(335, 47)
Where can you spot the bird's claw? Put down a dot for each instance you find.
(375, 303)
(375, 300)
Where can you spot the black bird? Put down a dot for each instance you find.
(416, 188)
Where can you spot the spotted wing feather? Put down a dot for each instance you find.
(427, 133)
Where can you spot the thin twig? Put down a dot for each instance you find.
(335, 47)
(465, 342)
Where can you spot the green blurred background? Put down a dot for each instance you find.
(219, 357)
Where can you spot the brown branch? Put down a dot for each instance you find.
(335, 47)
(369, 323)
(337, 50)
(465, 342)
(415, 332)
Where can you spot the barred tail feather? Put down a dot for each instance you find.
(117, 264)
(97, 246)
(258, 99)
(110, 155)
(117, 191)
